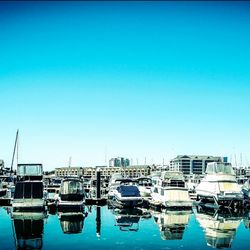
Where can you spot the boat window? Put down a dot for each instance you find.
(156, 190)
(219, 168)
(37, 190)
(18, 191)
(27, 190)
(162, 191)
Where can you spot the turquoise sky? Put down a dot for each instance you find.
(126, 79)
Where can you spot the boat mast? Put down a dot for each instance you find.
(15, 147)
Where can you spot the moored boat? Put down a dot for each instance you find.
(219, 186)
(71, 195)
(171, 191)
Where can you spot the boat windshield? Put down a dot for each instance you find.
(220, 168)
(72, 187)
(29, 170)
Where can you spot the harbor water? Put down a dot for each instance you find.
(106, 228)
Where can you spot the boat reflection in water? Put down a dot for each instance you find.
(128, 219)
(172, 223)
(28, 230)
(219, 226)
(72, 223)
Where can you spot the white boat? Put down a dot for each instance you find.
(114, 182)
(170, 190)
(246, 189)
(29, 193)
(144, 186)
(127, 195)
(219, 186)
(71, 194)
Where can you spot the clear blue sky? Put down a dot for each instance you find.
(126, 79)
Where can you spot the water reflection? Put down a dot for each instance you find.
(28, 230)
(128, 219)
(71, 223)
(219, 226)
(171, 223)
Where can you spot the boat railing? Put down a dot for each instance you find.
(174, 184)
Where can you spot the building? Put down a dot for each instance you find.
(69, 171)
(130, 171)
(193, 164)
(119, 162)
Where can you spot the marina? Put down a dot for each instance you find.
(101, 227)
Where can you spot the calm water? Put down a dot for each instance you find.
(119, 229)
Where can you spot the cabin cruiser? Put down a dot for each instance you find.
(219, 186)
(171, 223)
(114, 182)
(52, 194)
(127, 195)
(144, 186)
(29, 193)
(219, 226)
(246, 189)
(170, 191)
(71, 194)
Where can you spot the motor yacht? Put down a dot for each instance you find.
(219, 186)
(71, 195)
(127, 195)
(29, 193)
(170, 190)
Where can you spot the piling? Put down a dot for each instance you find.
(98, 184)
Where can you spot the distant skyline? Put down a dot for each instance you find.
(96, 80)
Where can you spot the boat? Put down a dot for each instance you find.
(170, 191)
(172, 224)
(219, 226)
(29, 193)
(144, 186)
(246, 189)
(219, 186)
(127, 195)
(114, 182)
(71, 195)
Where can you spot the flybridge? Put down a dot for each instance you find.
(31, 171)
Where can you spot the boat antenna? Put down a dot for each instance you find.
(15, 147)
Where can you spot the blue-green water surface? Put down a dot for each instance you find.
(104, 228)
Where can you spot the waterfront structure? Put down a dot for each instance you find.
(69, 171)
(106, 172)
(193, 164)
(119, 162)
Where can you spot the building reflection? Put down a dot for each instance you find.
(128, 219)
(171, 223)
(28, 230)
(219, 226)
(72, 222)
